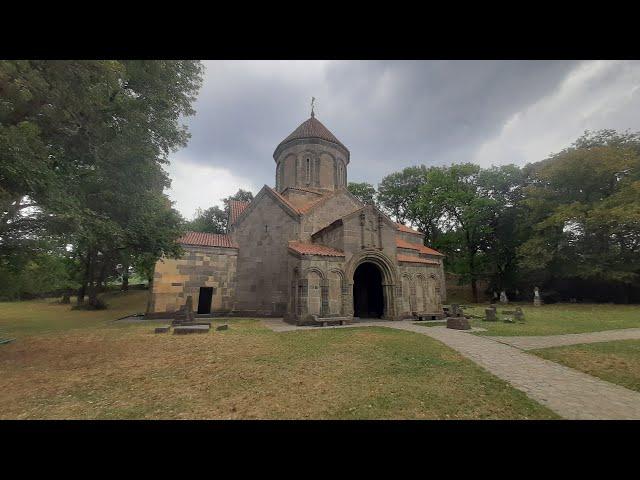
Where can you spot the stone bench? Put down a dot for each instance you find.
(186, 329)
(325, 321)
(428, 315)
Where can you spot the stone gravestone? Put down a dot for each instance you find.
(536, 297)
(503, 297)
(490, 315)
(185, 313)
(456, 319)
(518, 315)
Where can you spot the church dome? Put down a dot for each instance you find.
(311, 129)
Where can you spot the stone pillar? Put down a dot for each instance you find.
(303, 293)
(324, 298)
(362, 220)
(380, 231)
(389, 301)
(347, 298)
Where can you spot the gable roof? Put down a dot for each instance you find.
(402, 243)
(236, 207)
(410, 259)
(314, 249)
(403, 228)
(203, 239)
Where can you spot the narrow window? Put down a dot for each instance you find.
(308, 171)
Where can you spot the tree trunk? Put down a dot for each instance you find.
(125, 278)
(66, 298)
(82, 291)
(472, 274)
(93, 284)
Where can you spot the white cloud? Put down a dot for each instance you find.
(195, 185)
(595, 95)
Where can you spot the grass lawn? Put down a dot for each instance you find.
(560, 318)
(78, 364)
(616, 362)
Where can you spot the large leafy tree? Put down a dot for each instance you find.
(211, 220)
(83, 144)
(364, 191)
(585, 214)
(397, 192)
(464, 215)
(214, 219)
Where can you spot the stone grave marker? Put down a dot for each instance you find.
(490, 315)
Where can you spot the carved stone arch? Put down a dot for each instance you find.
(389, 273)
(306, 271)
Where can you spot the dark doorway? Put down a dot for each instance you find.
(368, 300)
(204, 303)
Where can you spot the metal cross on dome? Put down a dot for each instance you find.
(313, 101)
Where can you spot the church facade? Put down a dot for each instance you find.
(305, 250)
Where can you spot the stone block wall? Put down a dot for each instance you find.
(175, 279)
(263, 238)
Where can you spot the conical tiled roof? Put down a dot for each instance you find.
(312, 128)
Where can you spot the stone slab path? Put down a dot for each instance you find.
(533, 342)
(568, 392)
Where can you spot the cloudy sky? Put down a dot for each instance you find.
(394, 114)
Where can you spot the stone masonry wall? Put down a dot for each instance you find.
(333, 208)
(262, 237)
(175, 279)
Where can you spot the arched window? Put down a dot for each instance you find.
(308, 175)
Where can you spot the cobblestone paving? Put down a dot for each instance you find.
(568, 392)
(533, 342)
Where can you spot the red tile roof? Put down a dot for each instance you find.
(401, 243)
(409, 258)
(404, 228)
(430, 251)
(284, 200)
(314, 249)
(207, 240)
(236, 207)
(312, 128)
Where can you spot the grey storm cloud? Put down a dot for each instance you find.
(390, 114)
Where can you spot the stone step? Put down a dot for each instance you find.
(183, 330)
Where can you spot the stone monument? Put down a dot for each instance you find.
(503, 297)
(490, 315)
(536, 297)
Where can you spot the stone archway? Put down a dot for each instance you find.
(368, 297)
(388, 273)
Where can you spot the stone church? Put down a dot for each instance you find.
(306, 250)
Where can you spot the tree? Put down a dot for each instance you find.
(241, 195)
(364, 191)
(397, 192)
(99, 133)
(583, 206)
(211, 220)
(465, 216)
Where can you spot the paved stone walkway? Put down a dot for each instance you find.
(568, 392)
(530, 343)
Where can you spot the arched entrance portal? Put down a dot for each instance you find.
(368, 298)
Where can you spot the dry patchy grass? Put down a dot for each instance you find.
(109, 370)
(616, 362)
